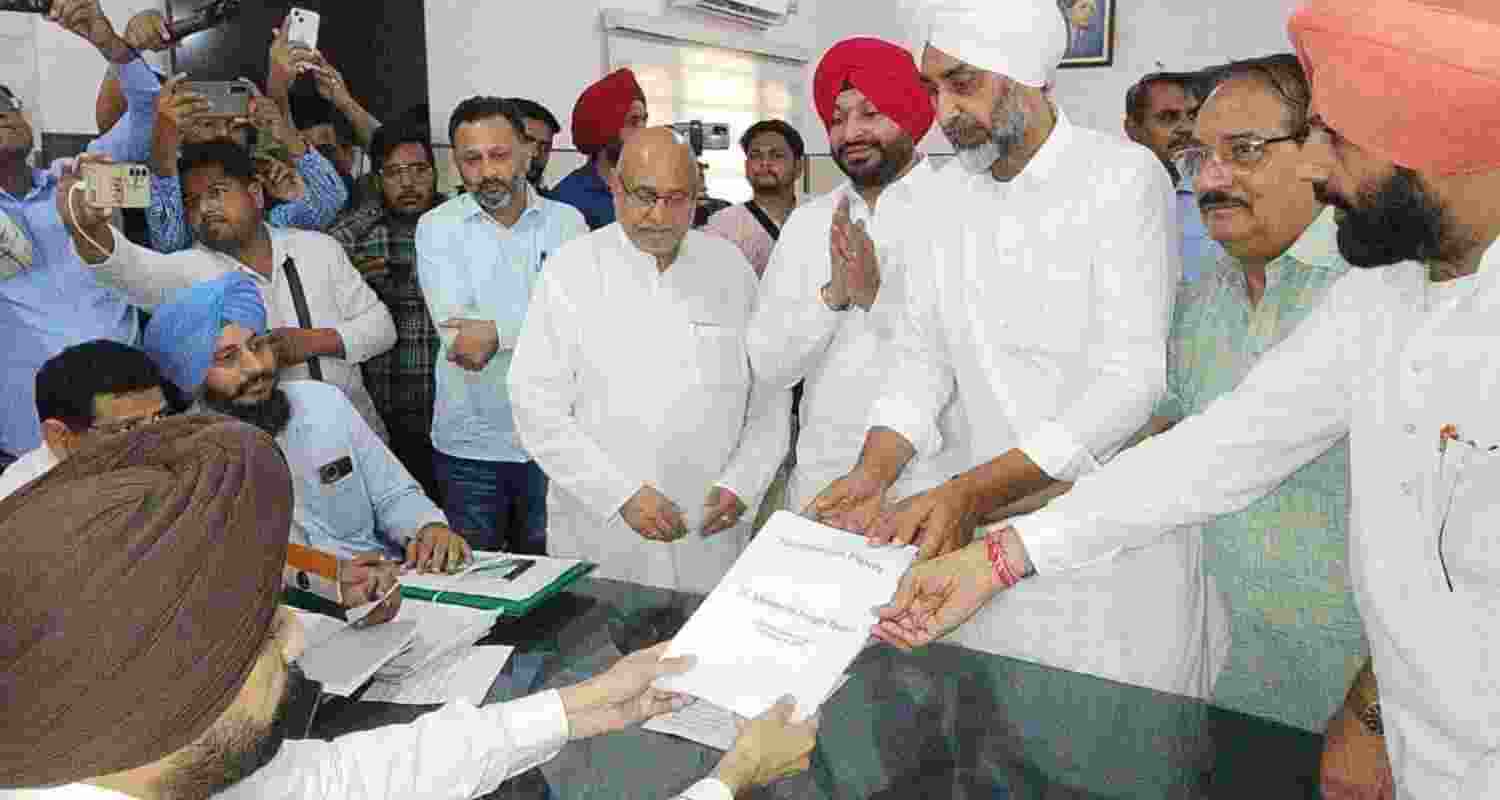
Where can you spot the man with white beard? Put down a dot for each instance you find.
(1042, 311)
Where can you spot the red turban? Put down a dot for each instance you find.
(599, 115)
(883, 73)
(1416, 82)
(138, 588)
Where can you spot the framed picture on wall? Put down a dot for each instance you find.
(1091, 32)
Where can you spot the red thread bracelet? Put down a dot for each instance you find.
(1003, 573)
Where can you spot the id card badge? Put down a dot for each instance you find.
(333, 473)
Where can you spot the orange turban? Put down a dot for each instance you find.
(1416, 82)
(599, 115)
(882, 72)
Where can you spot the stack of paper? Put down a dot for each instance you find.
(497, 581)
(788, 618)
(441, 631)
(706, 723)
(465, 674)
(342, 657)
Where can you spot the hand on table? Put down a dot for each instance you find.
(365, 579)
(768, 748)
(721, 511)
(939, 521)
(1355, 765)
(623, 696)
(852, 503)
(652, 515)
(436, 548)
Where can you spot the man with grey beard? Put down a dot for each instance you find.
(1043, 318)
(478, 257)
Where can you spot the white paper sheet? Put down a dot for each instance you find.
(706, 723)
(788, 618)
(343, 658)
(441, 630)
(490, 583)
(461, 675)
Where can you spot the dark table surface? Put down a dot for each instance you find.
(944, 722)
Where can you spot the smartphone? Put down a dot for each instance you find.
(117, 185)
(302, 27)
(26, 6)
(229, 98)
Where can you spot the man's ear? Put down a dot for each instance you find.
(60, 439)
(1132, 129)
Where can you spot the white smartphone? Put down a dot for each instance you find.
(302, 27)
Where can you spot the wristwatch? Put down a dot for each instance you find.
(823, 295)
(1370, 717)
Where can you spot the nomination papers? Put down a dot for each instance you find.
(790, 616)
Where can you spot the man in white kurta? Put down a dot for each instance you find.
(1042, 307)
(633, 389)
(843, 351)
(1402, 360)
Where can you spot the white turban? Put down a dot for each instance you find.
(1023, 40)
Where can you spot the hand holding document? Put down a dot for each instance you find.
(788, 618)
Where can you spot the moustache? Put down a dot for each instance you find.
(1327, 198)
(1219, 199)
(409, 197)
(254, 382)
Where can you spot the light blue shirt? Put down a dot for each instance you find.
(471, 267)
(352, 495)
(1199, 252)
(57, 303)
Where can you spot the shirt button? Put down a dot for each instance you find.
(1410, 428)
(1406, 488)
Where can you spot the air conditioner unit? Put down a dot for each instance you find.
(757, 13)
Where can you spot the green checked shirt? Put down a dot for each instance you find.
(1282, 563)
(400, 381)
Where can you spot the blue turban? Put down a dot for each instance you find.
(183, 331)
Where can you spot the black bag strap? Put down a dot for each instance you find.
(764, 219)
(299, 301)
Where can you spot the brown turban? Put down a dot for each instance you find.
(137, 588)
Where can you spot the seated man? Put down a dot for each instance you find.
(310, 195)
(102, 388)
(331, 320)
(189, 688)
(632, 385)
(352, 495)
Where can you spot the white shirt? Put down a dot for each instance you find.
(624, 376)
(843, 356)
(337, 297)
(27, 468)
(457, 751)
(1371, 362)
(1044, 308)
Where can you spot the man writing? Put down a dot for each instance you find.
(185, 524)
(773, 165)
(828, 315)
(1398, 359)
(633, 390)
(328, 319)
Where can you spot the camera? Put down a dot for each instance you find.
(211, 15)
(704, 135)
(26, 6)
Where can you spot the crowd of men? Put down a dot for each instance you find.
(1198, 405)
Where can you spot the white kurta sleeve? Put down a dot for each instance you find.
(1293, 406)
(457, 752)
(920, 381)
(1482, 781)
(707, 789)
(147, 277)
(365, 327)
(1135, 274)
(764, 442)
(543, 384)
(791, 327)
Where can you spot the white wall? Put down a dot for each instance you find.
(32, 48)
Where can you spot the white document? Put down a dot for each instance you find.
(441, 630)
(788, 618)
(705, 723)
(464, 674)
(343, 658)
(486, 577)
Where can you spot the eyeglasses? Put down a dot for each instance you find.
(407, 172)
(129, 425)
(645, 197)
(9, 103)
(1241, 154)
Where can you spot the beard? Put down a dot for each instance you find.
(1397, 222)
(221, 237)
(1008, 122)
(895, 157)
(495, 195)
(234, 749)
(271, 415)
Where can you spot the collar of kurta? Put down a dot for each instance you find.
(858, 209)
(1410, 277)
(1318, 246)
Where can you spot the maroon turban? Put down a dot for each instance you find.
(599, 115)
(883, 73)
(137, 590)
